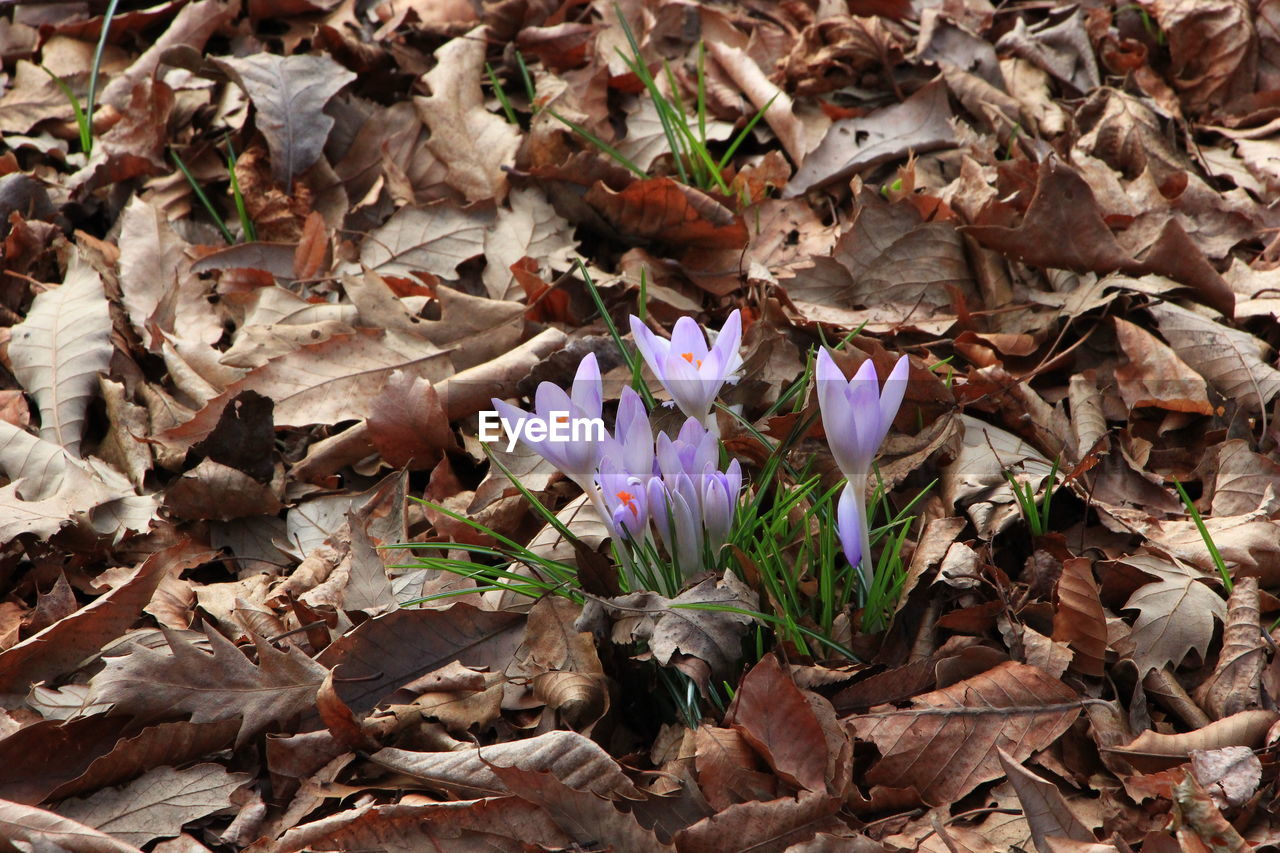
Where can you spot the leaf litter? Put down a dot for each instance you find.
(213, 455)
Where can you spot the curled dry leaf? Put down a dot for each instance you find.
(1236, 682)
(1079, 620)
(1046, 809)
(290, 93)
(1153, 751)
(60, 348)
(946, 743)
(473, 143)
(575, 760)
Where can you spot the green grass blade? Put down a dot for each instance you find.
(204, 199)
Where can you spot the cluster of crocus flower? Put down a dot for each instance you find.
(674, 487)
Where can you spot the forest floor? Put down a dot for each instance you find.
(264, 271)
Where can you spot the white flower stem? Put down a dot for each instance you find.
(866, 564)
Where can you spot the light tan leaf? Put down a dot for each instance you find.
(575, 760)
(59, 350)
(762, 92)
(562, 663)
(1243, 479)
(32, 97)
(920, 124)
(219, 686)
(472, 142)
(500, 825)
(646, 138)
(531, 228)
(945, 744)
(157, 804)
(30, 828)
(1175, 613)
(1155, 376)
(1153, 751)
(1046, 809)
(1233, 361)
(290, 93)
(334, 380)
(432, 239)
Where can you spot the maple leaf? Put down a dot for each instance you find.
(1175, 613)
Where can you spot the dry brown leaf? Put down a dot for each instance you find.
(1230, 775)
(1236, 682)
(775, 718)
(945, 744)
(1214, 49)
(1153, 751)
(37, 829)
(712, 637)
(777, 823)
(763, 92)
(1046, 809)
(473, 143)
(157, 804)
(729, 771)
(433, 239)
(572, 758)
(585, 817)
(290, 93)
(398, 647)
(1079, 619)
(562, 664)
(68, 642)
(210, 687)
(60, 348)
(1176, 613)
(920, 124)
(1234, 362)
(1155, 376)
(1243, 480)
(1200, 824)
(32, 97)
(531, 228)
(668, 212)
(502, 825)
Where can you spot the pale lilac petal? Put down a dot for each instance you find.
(652, 348)
(688, 341)
(685, 385)
(588, 392)
(849, 525)
(727, 346)
(635, 435)
(717, 510)
(895, 388)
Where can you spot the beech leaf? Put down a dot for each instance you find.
(946, 743)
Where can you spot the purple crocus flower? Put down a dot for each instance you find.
(692, 372)
(691, 501)
(856, 415)
(578, 459)
(626, 501)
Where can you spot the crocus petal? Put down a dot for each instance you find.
(588, 392)
(688, 341)
(717, 509)
(848, 525)
(727, 344)
(652, 348)
(895, 388)
(685, 385)
(635, 435)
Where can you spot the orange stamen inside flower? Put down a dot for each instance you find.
(630, 500)
(688, 356)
